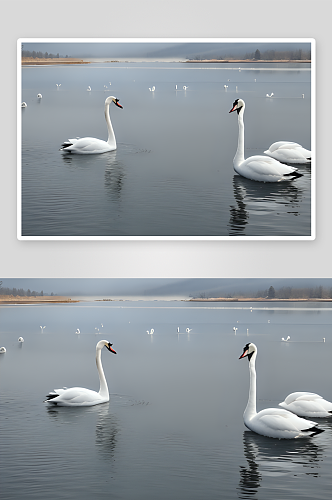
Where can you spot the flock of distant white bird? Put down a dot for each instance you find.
(277, 166)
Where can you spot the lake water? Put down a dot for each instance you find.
(173, 427)
(172, 173)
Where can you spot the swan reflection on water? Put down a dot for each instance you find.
(114, 178)
(276, 458)
(265, 197)
(107, 430)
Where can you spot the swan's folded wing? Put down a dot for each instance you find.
(283, 145)
(302, 396)
(282, 420)
(311, 408)
(260, 166)
(289, 155)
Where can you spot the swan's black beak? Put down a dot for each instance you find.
(245, 351)
(108, 346)
(116, 102)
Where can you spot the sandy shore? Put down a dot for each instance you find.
(30, 61)
(10, 299)
(243, 299)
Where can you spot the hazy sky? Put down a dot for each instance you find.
(157, 50)
(157, 287)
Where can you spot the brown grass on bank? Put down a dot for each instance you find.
(52, 299)
(54, 60)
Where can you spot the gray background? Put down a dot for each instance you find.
(181, 18)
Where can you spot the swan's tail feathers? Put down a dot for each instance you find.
(65, 145)
(313, 431)
(293, 175)
(51, 396)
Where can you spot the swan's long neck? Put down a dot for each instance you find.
(111, 137)
(250, 410)
(239, 155)
(103, 391)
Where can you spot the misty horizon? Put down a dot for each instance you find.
(159, 50)
(160, 287)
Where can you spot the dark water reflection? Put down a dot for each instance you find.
(280, 461)
(262, 199)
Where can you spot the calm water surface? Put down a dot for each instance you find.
(173, 427)
(172, 173)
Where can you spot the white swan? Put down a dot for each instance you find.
(2, 350)
(78, 396)
(289, 152)
(39, 96)
(21, 339)
(89, 88)
(89, 145)
(272, 422)
(267, 95)
(258, 168)
(24, 104)
(307, 404)
(150, 333)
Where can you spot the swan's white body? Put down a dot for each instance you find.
(39, 96)
(307, 404)
(289, 152)
(258, 168)
(24, 105)
(21, 339)
(89, 145)
(267, 95)
(2, 350)
(79, 396)
(272, 422)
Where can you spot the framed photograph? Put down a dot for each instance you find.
(160, 139)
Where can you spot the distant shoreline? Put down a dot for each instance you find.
(53, 299)
(45, 299)
(243, 299)
(30, 61)
(251, 61)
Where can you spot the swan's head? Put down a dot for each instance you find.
(238, 104)
(107, 344)
(248, 351)
(113, 99)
